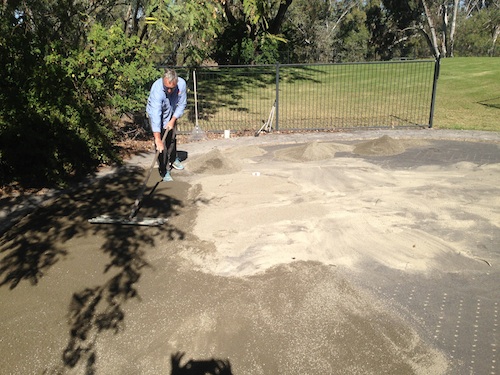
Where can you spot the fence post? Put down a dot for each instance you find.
(277, 101)
(434, 89)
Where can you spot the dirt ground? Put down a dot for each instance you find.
(363, 252)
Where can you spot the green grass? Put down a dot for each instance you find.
(468, 94)
(353, 95)
(318, 96)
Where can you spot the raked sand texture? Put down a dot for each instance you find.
(283, 254)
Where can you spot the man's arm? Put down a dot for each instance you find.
(181, 100)
(154, 107)
(154, 110)
(158, 142)
(181, 103)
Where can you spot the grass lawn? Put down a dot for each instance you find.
(353, 95)
(468, 94)
(321, 96)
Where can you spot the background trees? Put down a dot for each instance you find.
(71, 69)
(65, 79)
(442, 22)
(478, 29)
(330, 31)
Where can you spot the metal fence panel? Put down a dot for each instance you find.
(311, 97)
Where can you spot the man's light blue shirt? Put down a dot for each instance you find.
(161, 106)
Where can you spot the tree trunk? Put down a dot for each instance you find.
(453, 27)
(433, 37)
(126, 20)
(444, 31)
(496, 33)
(275, 25)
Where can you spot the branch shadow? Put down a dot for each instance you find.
(41, 239)
(227, 85)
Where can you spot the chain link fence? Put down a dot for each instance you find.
(295, 97)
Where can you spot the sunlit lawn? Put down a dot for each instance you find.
(468, 95)
(353, 95)
(318, 96)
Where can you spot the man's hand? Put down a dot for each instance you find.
(171, 124)
(158, 142)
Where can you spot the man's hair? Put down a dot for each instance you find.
(170, 75)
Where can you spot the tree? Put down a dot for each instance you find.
(438, 21)
(304, 30)
(453, 27)
(183, 30)
(479, 32)
(431, 34)
(351, 42)
(62, 77)
(312, 28)
(251, 31)
(390, 37)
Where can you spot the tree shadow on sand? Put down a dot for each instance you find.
(41, 239)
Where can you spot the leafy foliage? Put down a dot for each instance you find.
(478, 34)
(352, 44)
(59, 101)
(251, 32)
(112, 71)
(200, 21)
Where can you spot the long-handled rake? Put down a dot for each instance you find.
(132, 219)
(197, 134)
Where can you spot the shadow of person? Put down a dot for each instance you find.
(200, 367)
(182, 155)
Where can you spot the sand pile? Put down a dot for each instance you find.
(381, 146)
(246, 152)
(312, 151)
(214, 162)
